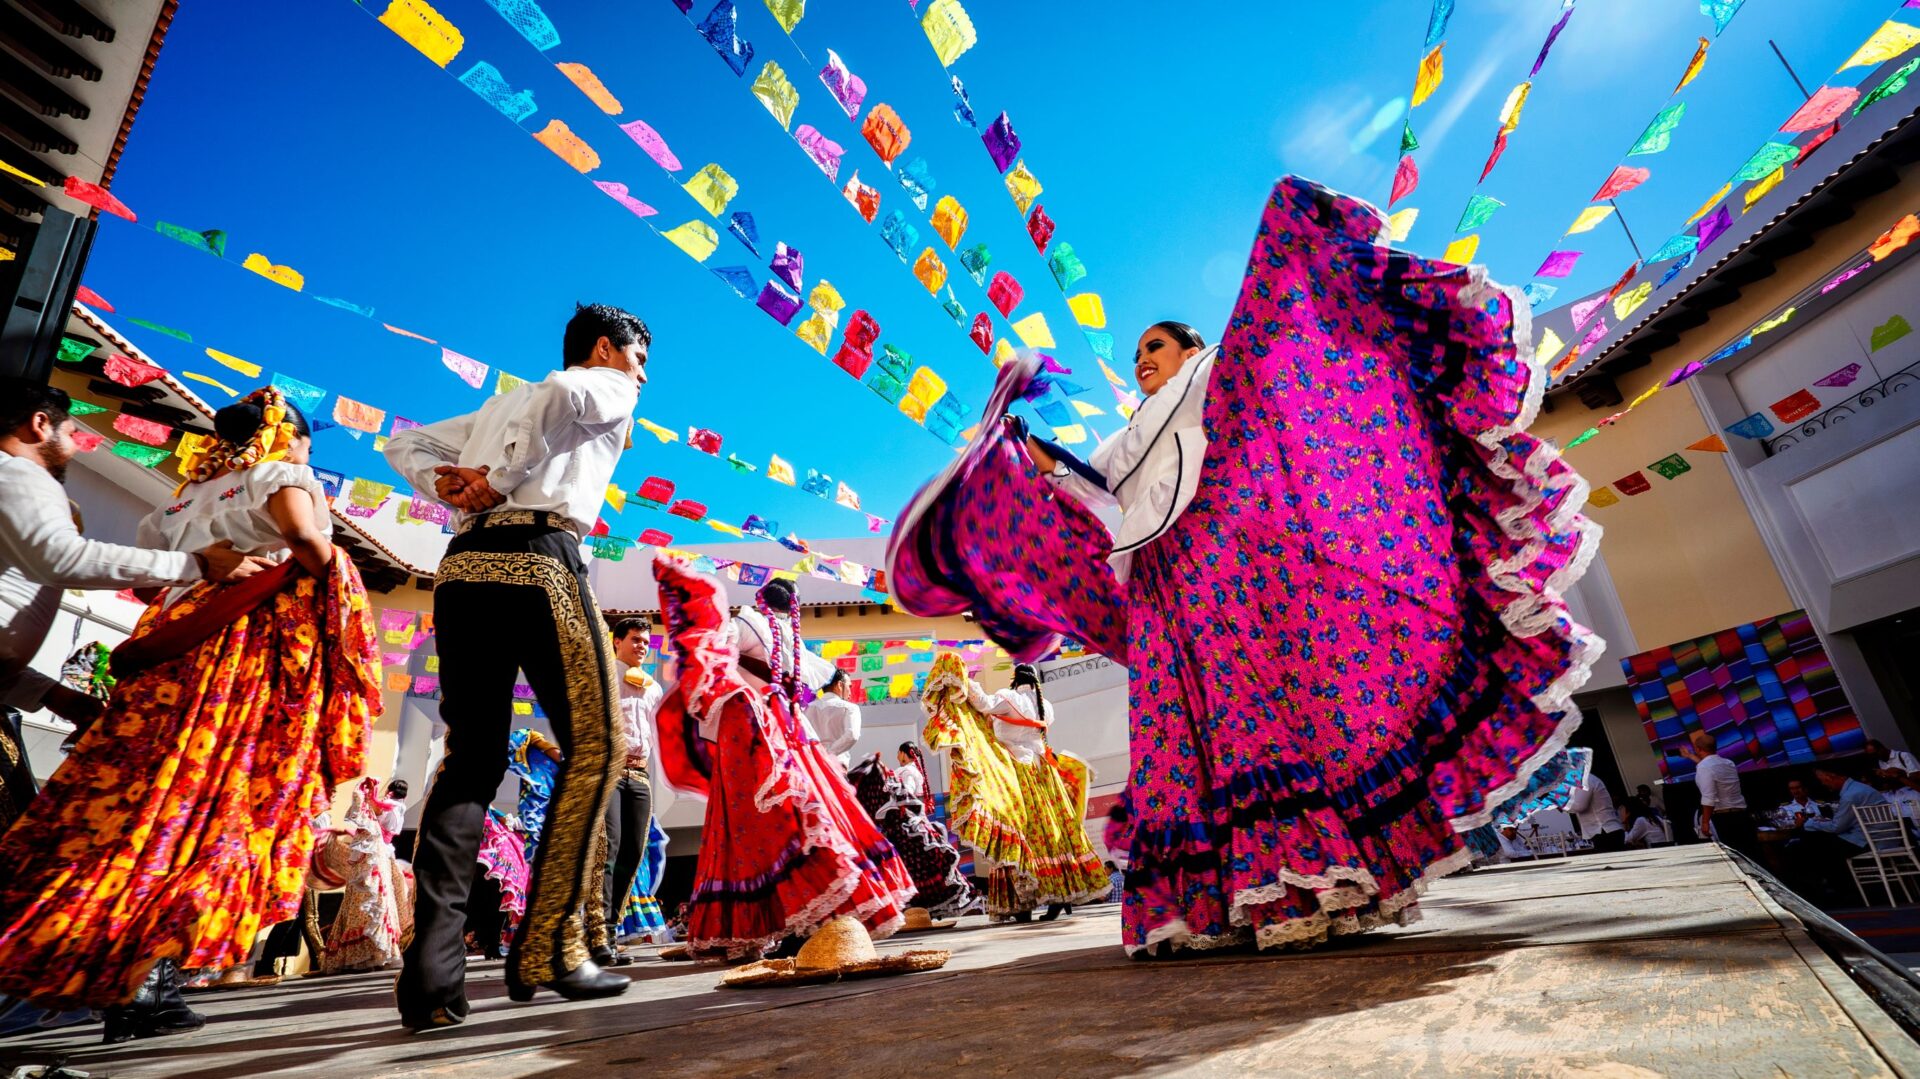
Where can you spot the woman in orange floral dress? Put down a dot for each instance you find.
(182, 822)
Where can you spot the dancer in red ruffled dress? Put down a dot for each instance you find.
(787, 846)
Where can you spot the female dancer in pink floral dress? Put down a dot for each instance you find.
(1336, 584)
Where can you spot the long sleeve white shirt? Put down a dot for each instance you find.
(1719, 783)
(837, 721)
(1645, 833)
(42, 553)
(549, 445)
(1592, 806)
(640, 697)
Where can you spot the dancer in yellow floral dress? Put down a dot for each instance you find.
(1016, 800)
(182, 822)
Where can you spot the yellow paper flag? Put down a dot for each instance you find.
(1549, 347)
(1024, 186)
(523, 708)
(10, 170)
(1432, 70)
(425, 29)
(926, 385)
(1693, 66)
(836, 649)
(433, 664)
(571, 148)
(949, 30)
(1088, 311)
(1510, 112)
(1759, 191)
(1588, 218)
(787, 13)
(1461, 251)
(725, 528)
(1086, 409)
(950, 220)
(616, 498)
(930, 271)
(1629, 301)
(696, 238)
(1002, 353)
(816, 331)
(279, 275)
(779, 471)
(1708, 205)
(251, 370)
(1892, 39)
(1773, 323)
(1400, 224)
(712, 188)
(1644, 395)
(914, 407)
(590, 85)
(827, 300)
(1033, 331)
(1072, 435)
(776, 92)
(204, 380)
(1602, 497)
(664, 434)
(1111, 376)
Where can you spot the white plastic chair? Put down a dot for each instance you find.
(1890, 857)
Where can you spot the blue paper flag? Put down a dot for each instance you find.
(1437, 21)
(358, 309)
(1101, 342)
(1538, 293)
(1673, 271)
(1721, 12)
(900, 234)
(1056, 414)
(485, 79)
(743, 229)
(304, 396)
(963, 109)
(917, 178)
(1756, 426)
(1676, 246)
(721, 29)
(526, 17)
(738, 278)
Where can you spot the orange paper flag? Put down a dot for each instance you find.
(559, 138)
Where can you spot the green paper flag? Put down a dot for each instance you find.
(168, 330)
(1671, 466)
(1888, 332)
(1894, 83)
(212, 241)
(1659, 133)
(146, 455)
(1583, 436)
(1765, 160)
(72, 351)
(1408, 143)
(739, 465)
(1479, 209)
(77, 407)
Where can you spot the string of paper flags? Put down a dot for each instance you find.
(1815, 121)
(1426, 80)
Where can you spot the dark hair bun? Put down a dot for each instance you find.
(238, 422)
(778, 594)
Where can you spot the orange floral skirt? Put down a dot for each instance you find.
(182, 822)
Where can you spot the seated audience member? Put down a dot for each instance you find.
(1642, 827)
(1511, 846)
(1903, 792)
(1799, 802)
(1592, 806)
(1650, 801)
(1818, 852)
(1891, 761)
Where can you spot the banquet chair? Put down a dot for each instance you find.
(1890, 857)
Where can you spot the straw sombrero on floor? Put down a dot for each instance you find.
(920, 921)
(840, 949)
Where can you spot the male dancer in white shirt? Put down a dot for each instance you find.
(528, 473)
(836, 719)
(630, 812)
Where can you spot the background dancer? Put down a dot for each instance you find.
(528, 473)
(630, 812)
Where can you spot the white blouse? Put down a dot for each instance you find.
(1026, 742)
(233, 507)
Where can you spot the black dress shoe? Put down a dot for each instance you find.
(439, 1017)
(584, 982)
(156, 1010)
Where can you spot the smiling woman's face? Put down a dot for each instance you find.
(1158, 358)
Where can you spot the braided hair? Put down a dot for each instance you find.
(1026, 674)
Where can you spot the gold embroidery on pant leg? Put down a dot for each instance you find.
(553, 939)
(593, 911)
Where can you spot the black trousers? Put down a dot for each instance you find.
(512, 595)
(1608, 841)
(628, 815)
(1735, 829)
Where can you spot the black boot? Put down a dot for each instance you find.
(1053, 911)
(157, 1009)
(584, 982)
(608, 954)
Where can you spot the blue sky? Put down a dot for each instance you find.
(313, 135)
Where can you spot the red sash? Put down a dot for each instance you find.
(219, 609)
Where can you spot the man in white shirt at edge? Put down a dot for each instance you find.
(1592, 806)
(1892, 763)
(528, 472)
(836, 720)
(42, 552)
(630, 811)
(1723, 807)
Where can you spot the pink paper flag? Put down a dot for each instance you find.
(1406, 177)
(1624, 179)
(1584, 310)
(146, 431)
(652, 143)
(1594, 335)
(131, 372)
(1827, 104)
(471, 371)
(408, 333)
(89, 441)
(1558, 264)
(618, 193)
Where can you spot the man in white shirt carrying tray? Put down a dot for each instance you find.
(527, 473)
